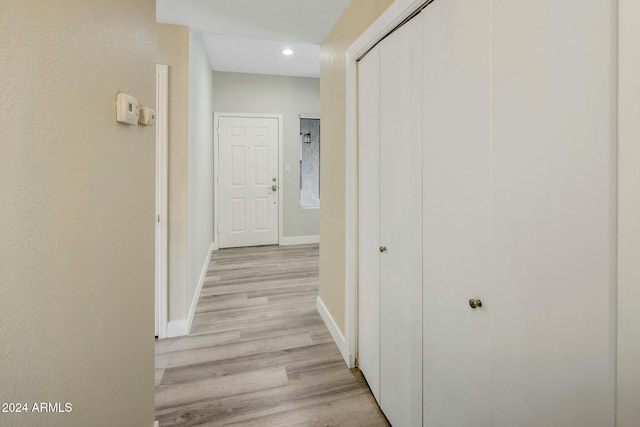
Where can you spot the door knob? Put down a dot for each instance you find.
(475, 303)
(383, 249)
(274, 187)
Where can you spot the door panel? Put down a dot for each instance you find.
(369, 219)
(236, 207)
(457, 208)
(248, 151)
(237, 167)
(401, 225)
(261, 175)
(554, 150)
(261, 213)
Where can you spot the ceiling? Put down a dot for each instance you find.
(248, 36)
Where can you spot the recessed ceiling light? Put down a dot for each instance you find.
(287, 52)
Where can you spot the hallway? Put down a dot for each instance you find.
(259, 353)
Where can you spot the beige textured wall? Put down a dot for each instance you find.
(173, 50)
(628, 368)
(358, 16)
(76, 212)
(289, 96)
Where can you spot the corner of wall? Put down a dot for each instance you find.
(172, 49)
(355, 20)
(200, 168)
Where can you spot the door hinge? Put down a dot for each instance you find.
(158, 217)
(218, 228)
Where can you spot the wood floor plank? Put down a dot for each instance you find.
(231, 314)
(276, 321)
(335, 413)
(242, 407)
(290, 358)
(195, 342)
(230, 351)
(259, 353)
(180, 394)
(248, 317)
(267, 331)
(249, 284)
(312, 286)
(213, 304)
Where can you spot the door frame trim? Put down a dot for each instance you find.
(216, 168)
(162, 144)
(391, 18)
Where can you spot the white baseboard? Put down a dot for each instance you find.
(299, 240)
(333, 329)
(196, 295)
(177, 328)
(182, 327)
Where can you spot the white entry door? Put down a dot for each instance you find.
(248, 181)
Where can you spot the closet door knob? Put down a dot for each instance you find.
(475, 303)
(383, 249)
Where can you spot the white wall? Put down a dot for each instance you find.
(200, 192)
(289, 96)
(76, 212)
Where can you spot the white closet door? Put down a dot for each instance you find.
(369, 219)
(401, 225)
(457, 209)
(554, 71)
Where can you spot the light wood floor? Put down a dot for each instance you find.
(259, 354)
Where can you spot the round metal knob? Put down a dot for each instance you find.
(475, 303)
(383, 249)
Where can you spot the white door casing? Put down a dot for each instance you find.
(248, 181)
(162, 144)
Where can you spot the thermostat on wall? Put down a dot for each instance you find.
(147, 116)
(126, 109)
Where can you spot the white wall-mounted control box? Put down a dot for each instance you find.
(147, 116)
(126, 109)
